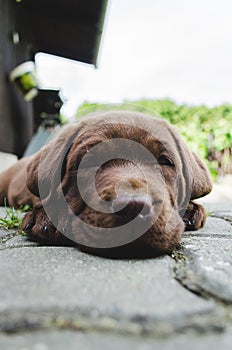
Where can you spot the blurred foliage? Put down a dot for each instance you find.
(208, 131)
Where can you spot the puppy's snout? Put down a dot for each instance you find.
(132, 206)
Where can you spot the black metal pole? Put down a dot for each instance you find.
(16, 123)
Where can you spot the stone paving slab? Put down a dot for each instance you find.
(53, 281)
(71, 340)
(225, 215)
(54, 296)
(2, 211)
(214, 227)
(220, 198)
(16, 241)
(207, 264)
(207, 267)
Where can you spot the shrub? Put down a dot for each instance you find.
(208, 131)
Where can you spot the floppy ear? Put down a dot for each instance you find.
(202, 182)
(195, 173)
(47, 167)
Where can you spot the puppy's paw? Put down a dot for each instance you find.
(38, 227)
(194, 217)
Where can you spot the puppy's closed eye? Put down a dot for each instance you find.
(165, 160)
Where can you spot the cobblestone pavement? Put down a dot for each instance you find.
(60, 298)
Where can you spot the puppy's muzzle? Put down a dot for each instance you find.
(132, 206)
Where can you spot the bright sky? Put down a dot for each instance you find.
(152, 48)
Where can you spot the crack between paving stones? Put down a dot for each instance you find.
(26, 244)
(4, 239)
(225, 218)
(208, 235)
(199, 323)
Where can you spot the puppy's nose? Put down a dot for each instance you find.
(132, 206)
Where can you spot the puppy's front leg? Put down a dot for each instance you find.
(38, 227)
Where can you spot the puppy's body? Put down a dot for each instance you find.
(165, 187)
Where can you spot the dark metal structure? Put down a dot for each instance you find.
(71, 29)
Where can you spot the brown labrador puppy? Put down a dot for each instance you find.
(116, 184)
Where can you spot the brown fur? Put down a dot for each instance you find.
(66, 151)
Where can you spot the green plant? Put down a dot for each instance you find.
(11, 220)
(207, 131)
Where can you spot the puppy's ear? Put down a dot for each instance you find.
(47, 167)
(202, 182)
(195, 174)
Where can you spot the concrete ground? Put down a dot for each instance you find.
(60, 298)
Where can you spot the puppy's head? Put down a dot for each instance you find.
(127, 178)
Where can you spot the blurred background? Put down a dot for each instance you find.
(152, 49)
(171, 58)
